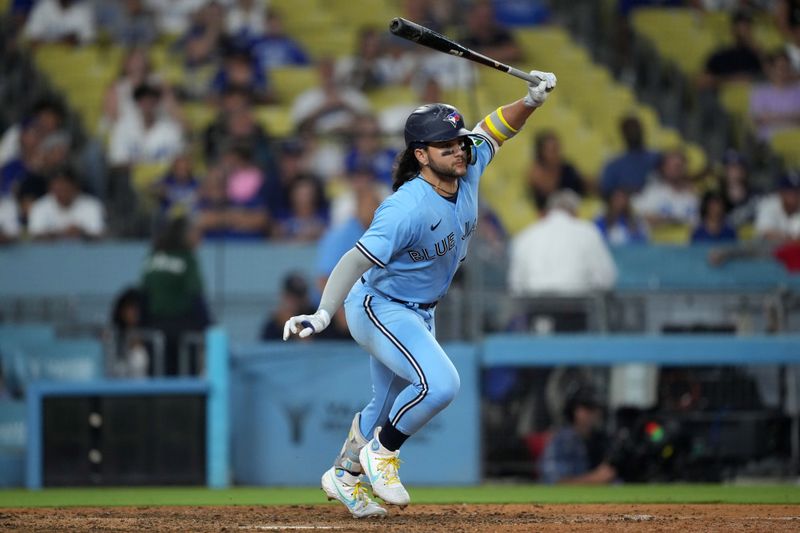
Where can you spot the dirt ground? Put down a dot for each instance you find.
(416, 518)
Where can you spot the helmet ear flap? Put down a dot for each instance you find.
(469, 148)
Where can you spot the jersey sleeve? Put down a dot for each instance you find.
(391, 230)
(485, 147)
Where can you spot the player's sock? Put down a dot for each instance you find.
(390, 437)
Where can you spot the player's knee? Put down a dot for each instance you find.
(445, 390)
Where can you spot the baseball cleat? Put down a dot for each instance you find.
(340, 485)
(380, 466)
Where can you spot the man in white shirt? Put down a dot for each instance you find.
(65, 212)
(61, 21)
(560, 254)
(145, 137)
(330, 107)
(669, 198)
(778, 214)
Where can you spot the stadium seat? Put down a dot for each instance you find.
(276, 120)
(144, 175)
(670, 234)
(786, 144)
(291, 81)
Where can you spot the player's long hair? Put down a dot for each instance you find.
(406, 167)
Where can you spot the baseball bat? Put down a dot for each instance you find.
(427, 37)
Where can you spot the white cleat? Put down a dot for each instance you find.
(340, 485)
(380, 466)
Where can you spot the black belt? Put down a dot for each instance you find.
(430, 305)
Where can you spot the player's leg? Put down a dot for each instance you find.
(385, 388)
(401, 339)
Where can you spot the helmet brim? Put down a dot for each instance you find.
(455, 134)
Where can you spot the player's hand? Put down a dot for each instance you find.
(305, 325)
(537, 93)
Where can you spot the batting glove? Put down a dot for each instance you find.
(537, 92)
(305, 325)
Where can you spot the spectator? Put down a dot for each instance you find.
(339, 238)
(172, 289)
(177, 191)
(487, 36)
(290, 167)
(365, 70)
(670, 197)
(549, 172)
(734, 186)
(19, 167)
(236, 125)
(713, 226)
(65, 212)
(560, 253)
(10, 229)
(567, 457)
(132, 24)
(276, 49)
(200, 52)
(174, 18)
(145, 136)
(60, 21)
(136, 71)
(328, 108)
(47, 117)
(232, 204)
(788, 19)
(245, 21)
(344, 204)
(294, 301)
(618, 224)
(239, 70)
(131, 357)
(629, 170)
(306, 220)
(775, 106)
(739, 62)
(778, 214)
(368, 150)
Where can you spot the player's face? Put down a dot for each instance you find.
(449, 158)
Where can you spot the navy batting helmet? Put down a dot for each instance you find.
(434, 123)
(437, 123)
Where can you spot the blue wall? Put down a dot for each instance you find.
(292, 405)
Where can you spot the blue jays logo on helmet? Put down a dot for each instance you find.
(453, 118)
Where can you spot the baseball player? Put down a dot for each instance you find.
(391, 280)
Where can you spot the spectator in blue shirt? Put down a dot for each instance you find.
(567, 458)
(240, 71)
(369, 151)
(630, 169)
(276, 49)
(619, 224)
(713, 226)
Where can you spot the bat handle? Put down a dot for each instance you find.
(524, 75)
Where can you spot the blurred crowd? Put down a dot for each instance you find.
(308, 175)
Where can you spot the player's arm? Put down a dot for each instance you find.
(350, 267)
(507, 120)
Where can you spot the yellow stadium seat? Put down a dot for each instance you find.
(144, 175)
(591, 207)
(786, 144)
(746, 232)
(289, 82)
(671, 234)
(276, 120)
(392, 95)
(199, 116)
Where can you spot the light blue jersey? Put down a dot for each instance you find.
(418, 239)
